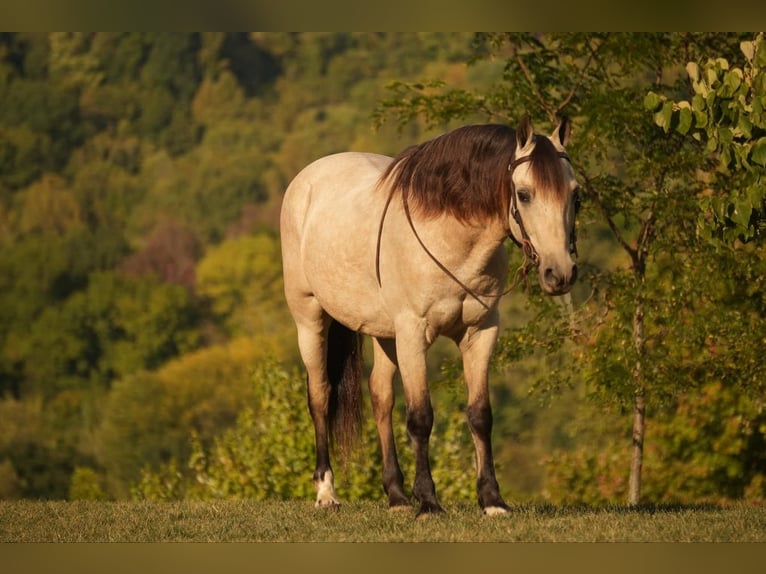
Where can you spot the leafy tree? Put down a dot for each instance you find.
(85, 485)
(204, 189)
(48, 206)
(242, 281)
(726, 112)
(114, 327)
(170, 253)
(636, 180)
(149, 417)
(124, 157)
(39, 445)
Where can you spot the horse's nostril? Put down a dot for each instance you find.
(548, 274)
(559, 281)
(552, 279)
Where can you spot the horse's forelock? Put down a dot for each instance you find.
(545, 164)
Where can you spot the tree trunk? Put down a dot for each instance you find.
(639, 421)
(637, 452)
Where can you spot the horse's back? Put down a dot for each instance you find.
(329, 219)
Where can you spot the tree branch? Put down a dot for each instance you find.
(528, 75)
(592, 193)
(592, 54)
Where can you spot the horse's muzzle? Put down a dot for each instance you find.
(557, 282)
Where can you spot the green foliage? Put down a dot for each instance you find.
(131, 166)
(85, 485)
(726, 112)
(707, 447)
(115, 327)
(269, 453)
(149, 416)
(242, 280)
(140, 182)
(636, 335)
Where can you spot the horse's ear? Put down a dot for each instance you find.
(524, 133)
(562, 132)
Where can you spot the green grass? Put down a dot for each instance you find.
(299, 521)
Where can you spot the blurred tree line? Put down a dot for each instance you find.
(145, 348)
(140, 180)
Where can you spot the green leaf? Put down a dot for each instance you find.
(741, 213)
(652, 101)
(758, 152)
(755, 194)
(732, 81)
(722, 63)
(760, 54)
(694, 71)
(684, 120)
(698, 103)
(748, 49)
(664, 117)
(711, 76)
(744, 126)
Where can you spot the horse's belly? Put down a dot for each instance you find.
(356, 312)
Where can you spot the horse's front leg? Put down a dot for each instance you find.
(476, 346)
(382, 396)
(411, 350)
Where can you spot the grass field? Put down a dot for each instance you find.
(298, 521)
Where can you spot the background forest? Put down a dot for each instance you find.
(145, 347)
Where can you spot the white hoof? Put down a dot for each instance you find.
(326, 492)
(495, 510)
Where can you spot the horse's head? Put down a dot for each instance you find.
(543, 204)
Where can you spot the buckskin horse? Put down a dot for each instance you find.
(408, 248)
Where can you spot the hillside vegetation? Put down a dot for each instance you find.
(145, 347)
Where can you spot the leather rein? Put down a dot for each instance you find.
(531, 258)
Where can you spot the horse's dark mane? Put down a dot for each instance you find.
(464, 173)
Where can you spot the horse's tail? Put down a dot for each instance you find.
(344, 370)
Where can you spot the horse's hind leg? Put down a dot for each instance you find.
(382, 396)
(476, 347)
(312, 341)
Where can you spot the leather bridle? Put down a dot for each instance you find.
(530, 253)
(525, 242)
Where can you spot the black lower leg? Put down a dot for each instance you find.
(488, 491)
(419, 424)
(393, 484)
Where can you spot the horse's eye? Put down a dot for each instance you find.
(524, 196)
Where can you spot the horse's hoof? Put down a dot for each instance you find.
(496, 510)
(399, 507)
(429, 509)
(398, 501)
(327, 503)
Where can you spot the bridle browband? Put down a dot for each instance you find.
(530, 253)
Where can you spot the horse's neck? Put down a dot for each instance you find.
(471, 248)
